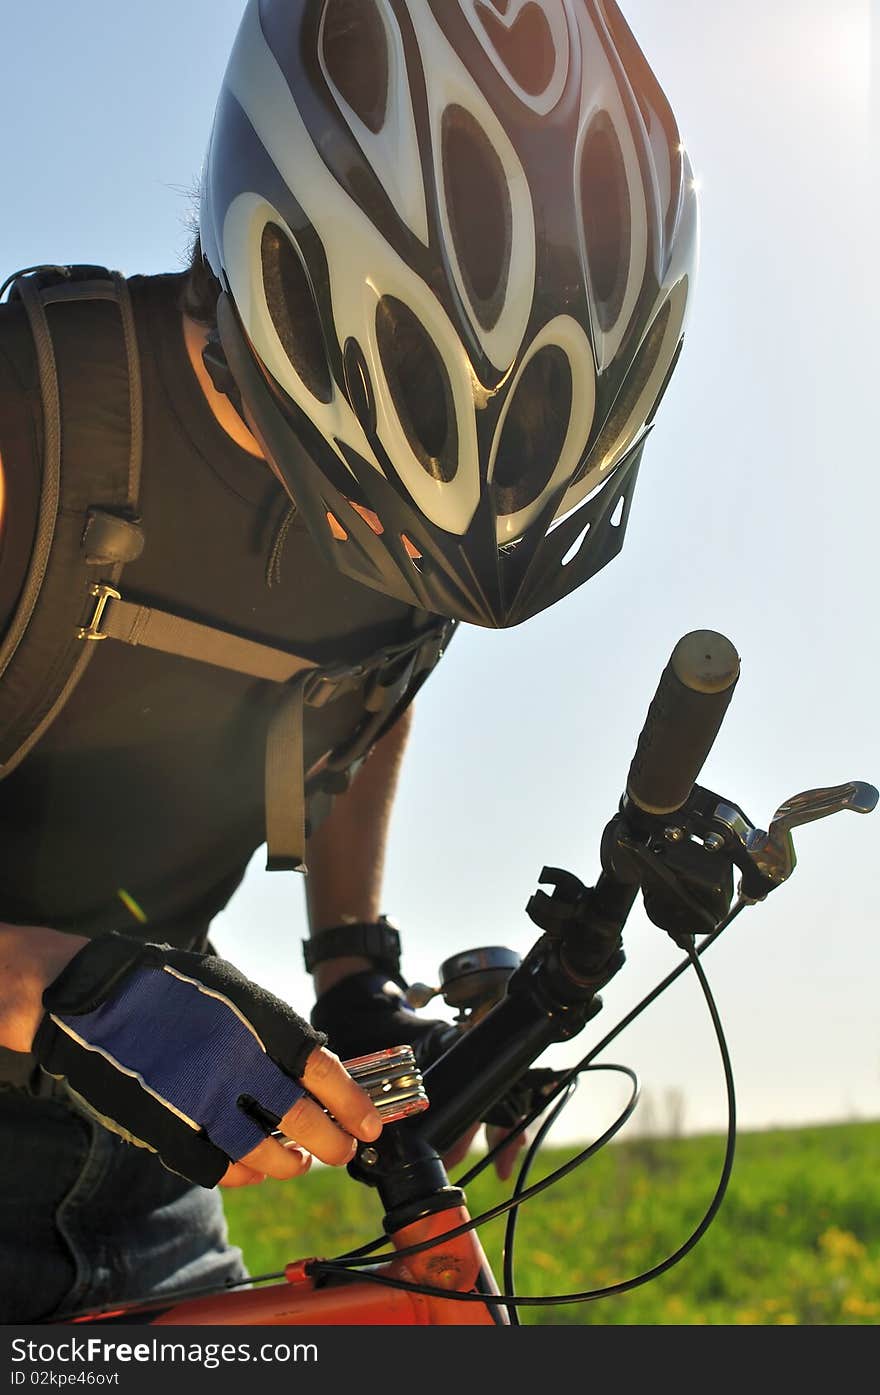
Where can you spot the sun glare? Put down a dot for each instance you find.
(831, 45)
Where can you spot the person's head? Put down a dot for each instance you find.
(454, 241)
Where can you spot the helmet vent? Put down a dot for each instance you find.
(355, 50)
(294, 313)
(525, 47)
(420, 388)
(605, 210)
(576, 545)
(534, 431)
(480, 219)
(358, 386)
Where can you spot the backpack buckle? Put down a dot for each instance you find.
(103, 593)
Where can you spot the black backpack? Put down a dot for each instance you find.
(88, 529)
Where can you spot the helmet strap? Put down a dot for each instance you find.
(219, 372)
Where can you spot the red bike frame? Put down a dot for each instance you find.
(456, 1265)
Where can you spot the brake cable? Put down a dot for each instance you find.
(520, 1185)
(347, 1263)
(357, 1262)
(566, 1078)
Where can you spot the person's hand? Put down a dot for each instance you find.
(534, 1089)
(506, 1158)
(180, 1053)
(308, 1130)
(368, 1011)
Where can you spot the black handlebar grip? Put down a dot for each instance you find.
(683, 720)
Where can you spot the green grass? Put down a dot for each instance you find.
(797, 1240)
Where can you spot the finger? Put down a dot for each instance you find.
(314, 1129)
(240, 1175)
(506, 1159)
(460, 1148)
(273, 1159)
(326, 1078)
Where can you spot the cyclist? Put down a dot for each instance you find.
(440, 287)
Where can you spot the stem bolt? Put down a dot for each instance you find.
(673, 835)
(713, 842)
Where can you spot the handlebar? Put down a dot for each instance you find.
(683, 721)
(671, 839)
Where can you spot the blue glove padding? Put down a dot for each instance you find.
(367, 1011)
(165, 1045)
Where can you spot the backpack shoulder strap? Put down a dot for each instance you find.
(83, 329)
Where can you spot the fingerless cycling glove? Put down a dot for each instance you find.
(166, 1046)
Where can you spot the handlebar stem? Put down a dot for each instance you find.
(543, 1005)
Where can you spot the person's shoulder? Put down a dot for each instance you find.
(163, 289)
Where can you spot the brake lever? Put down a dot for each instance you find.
(773, 851)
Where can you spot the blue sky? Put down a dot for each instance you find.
(755, 514)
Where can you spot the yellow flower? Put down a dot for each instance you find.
(841, 1244)
(855, 1306)
(747, 1317)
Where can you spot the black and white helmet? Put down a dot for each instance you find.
(456, 241)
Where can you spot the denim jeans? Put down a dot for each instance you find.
(86, 1219)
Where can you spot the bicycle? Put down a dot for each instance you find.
(672, 840)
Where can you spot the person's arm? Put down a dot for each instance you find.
(346, 861)
(30, 959)
(346, 856)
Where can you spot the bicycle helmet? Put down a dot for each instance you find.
(455, 242)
